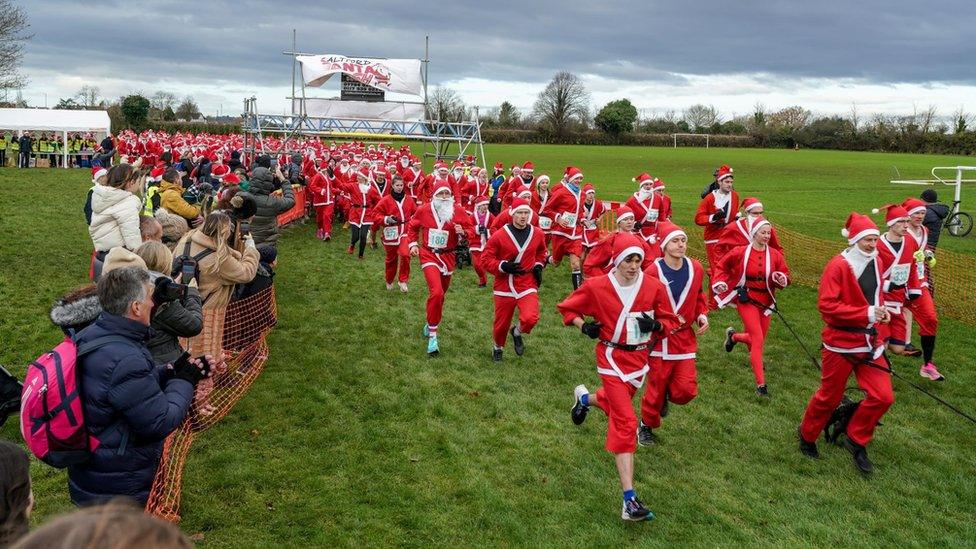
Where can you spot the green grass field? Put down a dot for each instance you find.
(352, 436)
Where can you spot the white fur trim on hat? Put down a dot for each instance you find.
(758, 225)
(755, 205)
(521, 207)
(630, 250)
(851, 240)
(671, 236)
(624, 216)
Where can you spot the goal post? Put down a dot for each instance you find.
(675, 136)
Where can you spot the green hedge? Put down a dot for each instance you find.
(601, 138)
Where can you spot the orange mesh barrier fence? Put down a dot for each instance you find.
(298, 211)
(237, 335)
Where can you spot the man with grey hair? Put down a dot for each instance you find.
(130, 404)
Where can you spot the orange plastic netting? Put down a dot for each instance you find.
(237, 335)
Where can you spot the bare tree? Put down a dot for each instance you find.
(13, 34)
(188, 109)
(445, 105)
(854, 117)
(700, 116)
(791, 118)
(88, 96)
(563, 101)
(162, 100)
(926, 120)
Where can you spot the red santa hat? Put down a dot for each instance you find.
(587, 189)
(475, 170)
(231, 179)
(525, 192)
(624, 246)
(658, 185)
(667, 231)
(623, 212)
(528, 167)
(893, 213)
(642, 178)
(98, 171)
(757, 224)
(542, 178)
(913, 206)
(572, 172)
(458, 164)
(440, 165)
(499, 166)
(415, 160)
(156, 174)
(751, 203)
(519, 204)
(364, 173)
(441, 186)
(723, 171)
(469, 158)
(857, 227)
(481, 201)
(381, 172)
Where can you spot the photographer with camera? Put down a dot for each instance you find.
(131, 405)
(263, 184)
(177, 306)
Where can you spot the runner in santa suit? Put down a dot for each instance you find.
(363, 197)
(540, 197)
(519, 181)
(749, 276)
(390, 217)
(482, 220)
(593, 209)
(403, 166)
(515, 255)
(565, 208)
(851, 306)
(433, 234)
(715, 211)
(649, 207)
(896, 259)
(459, 183)
(599, 261)
(505, 217)
(344, 177)
(414, 178)
(628, 309)
(476, 187)
(920, 306)
(380, 182)
(440, 176)
(321, 186)
(673, 377)
(737, 233)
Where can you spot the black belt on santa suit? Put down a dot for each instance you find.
(624, 346)
(439, 251)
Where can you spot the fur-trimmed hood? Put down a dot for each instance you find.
(77, 309)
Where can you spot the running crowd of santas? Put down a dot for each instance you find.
(636, 293)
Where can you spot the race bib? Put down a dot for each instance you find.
(390, 233)
(651, 215)
(437, 238)
(634, 335)
(899, 274)
(545, 223)
(589, 224)
(568, 219)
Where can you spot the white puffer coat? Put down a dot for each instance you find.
(115, 219)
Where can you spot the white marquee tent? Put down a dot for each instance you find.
(51, 120)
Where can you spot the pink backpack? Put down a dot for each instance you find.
(52, 419)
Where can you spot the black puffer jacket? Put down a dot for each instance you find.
(174, 320)
(264, 226)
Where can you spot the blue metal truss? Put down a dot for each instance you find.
(467, 132)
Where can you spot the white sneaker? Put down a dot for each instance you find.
(403, 287)
(389, 286)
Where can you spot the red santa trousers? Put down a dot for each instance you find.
(476, 263)
(833, 378)
(711, 253)
(393, 258)
(615, 398)
(437, 285)
(756, 325)
(923, 311)
(562, 246)
(528, 306)
(675, 379)
(323, 217)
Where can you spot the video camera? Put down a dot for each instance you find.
(167, 290)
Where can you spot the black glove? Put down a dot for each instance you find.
(893, 286)
(638, 226)
(591, 329)
(482, 229)
(743, 294)
(511, 268)
(718, 217)
(537, 273)
(184, 369)
(330, 171)
(913, 297)
(647, 324)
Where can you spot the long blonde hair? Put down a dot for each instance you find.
(157, 256)
(218, 227)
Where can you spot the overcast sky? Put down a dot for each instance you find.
(887, 56)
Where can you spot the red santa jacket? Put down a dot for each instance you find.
(688, 304)
(502, 246)
(591, 222)
(320, 186)
(600, 259)
(707, 207)
(538, 203)
(898, 272)
(737, 234)
(565, 208)
(848, 313)
(472, 190)
(431, 181)
(505, 217)
(362, 203)
(746, 266)
(413, 182)
(648, 213)
(481, 230)
(392, 234)
(437, 239)
(617, 310)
